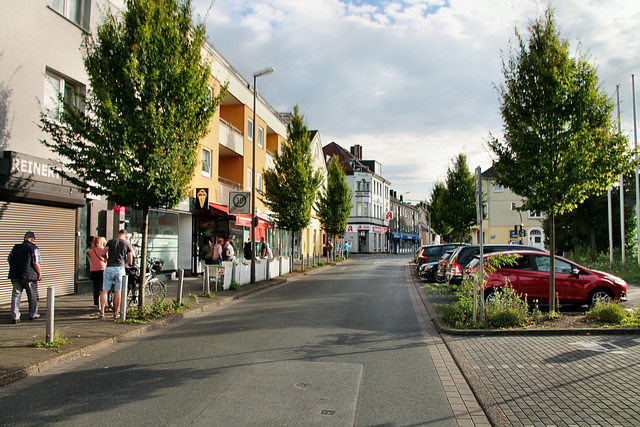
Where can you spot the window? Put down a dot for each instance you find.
(259, 183)
(73, 10)
(206, 162)
(260, 136)
(249, 179)
(359, 211)
(250, 129)
(55, 86)
(365, 209)
(497, 188)
(536, 215)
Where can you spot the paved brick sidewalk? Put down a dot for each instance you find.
(570, 380)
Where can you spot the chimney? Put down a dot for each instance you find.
(356, 150)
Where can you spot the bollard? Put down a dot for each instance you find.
(123, 297)
(51, 294)
(207, 286)
(180, 284)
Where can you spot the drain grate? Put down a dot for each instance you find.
(327, 412)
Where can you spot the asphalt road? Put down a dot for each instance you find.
(341, 347)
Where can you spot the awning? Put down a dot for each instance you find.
(243, 220)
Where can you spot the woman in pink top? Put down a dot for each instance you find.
(97, 266)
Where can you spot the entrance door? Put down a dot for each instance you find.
(535, 238)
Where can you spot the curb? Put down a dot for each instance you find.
(142, 329)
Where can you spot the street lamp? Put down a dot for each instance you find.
(257, 74)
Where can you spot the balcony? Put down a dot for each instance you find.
(224, 187)
(231, 138)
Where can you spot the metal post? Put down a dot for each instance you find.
(51, 294)
(610, 216)
(622, 237)
(180, 285)
(207, 279)
(123, 297)
(635, 143)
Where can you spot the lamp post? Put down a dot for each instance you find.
(257, 74)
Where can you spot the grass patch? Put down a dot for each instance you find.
(58, 340)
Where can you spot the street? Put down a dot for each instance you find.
(340, 347)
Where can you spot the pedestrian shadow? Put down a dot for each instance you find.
(586, 347)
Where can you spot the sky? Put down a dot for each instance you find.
(412, 81)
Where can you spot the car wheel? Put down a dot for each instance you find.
(440, 279)
(489, 295)
(597, 295)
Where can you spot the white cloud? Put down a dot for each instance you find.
(409, 80)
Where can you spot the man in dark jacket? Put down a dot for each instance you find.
(24, 272)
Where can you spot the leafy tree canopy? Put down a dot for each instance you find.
(459, 199)
(136, 139)
(334, 202)
(291, 185)
(559, 146)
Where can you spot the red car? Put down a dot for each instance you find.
(575, 285)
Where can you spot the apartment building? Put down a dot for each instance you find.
(404, 225)
(41, 58)
(367, 226)
(504, 218)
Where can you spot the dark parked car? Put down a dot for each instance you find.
(463, 255)
(575, 285)
(432, 253)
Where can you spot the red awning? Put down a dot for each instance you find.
(242, 219)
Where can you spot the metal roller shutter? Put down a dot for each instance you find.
(55, 236)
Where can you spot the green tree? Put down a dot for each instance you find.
(291, 185)
(136, 140)
(334, 202)
(459, 199)
(436, 207)
(559, 146)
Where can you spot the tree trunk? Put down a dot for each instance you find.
(552, 264)
(593, 243)
(143, 257)
(292, 250)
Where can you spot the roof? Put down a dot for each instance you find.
(348, 161)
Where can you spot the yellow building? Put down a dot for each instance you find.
(502, 214)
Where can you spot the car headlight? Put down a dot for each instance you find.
(616, 280)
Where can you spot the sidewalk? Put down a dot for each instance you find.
(77, 320)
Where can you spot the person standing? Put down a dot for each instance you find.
(346, 250)
(24, 271)
(231, 250)
(118, 252)
(217, 251)
(264, 252)
(207, 252)
(97, 264)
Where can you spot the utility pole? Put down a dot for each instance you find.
(622, 237)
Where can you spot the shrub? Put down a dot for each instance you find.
(610, 312)
(234, 286)
(507, 309)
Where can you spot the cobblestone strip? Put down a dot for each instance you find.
(465, 407)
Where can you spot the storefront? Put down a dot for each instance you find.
(34, 197)
(366, 238)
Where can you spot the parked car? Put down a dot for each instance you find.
(575, 285)
(427, 271)
(441, 271)
(432, 253)
(463, 255)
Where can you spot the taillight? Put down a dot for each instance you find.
(456, 269)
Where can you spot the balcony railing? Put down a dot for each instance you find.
(231, 137)
(224, 187)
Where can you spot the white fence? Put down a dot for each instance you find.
(241, 272)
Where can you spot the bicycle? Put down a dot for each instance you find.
(153, 285)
